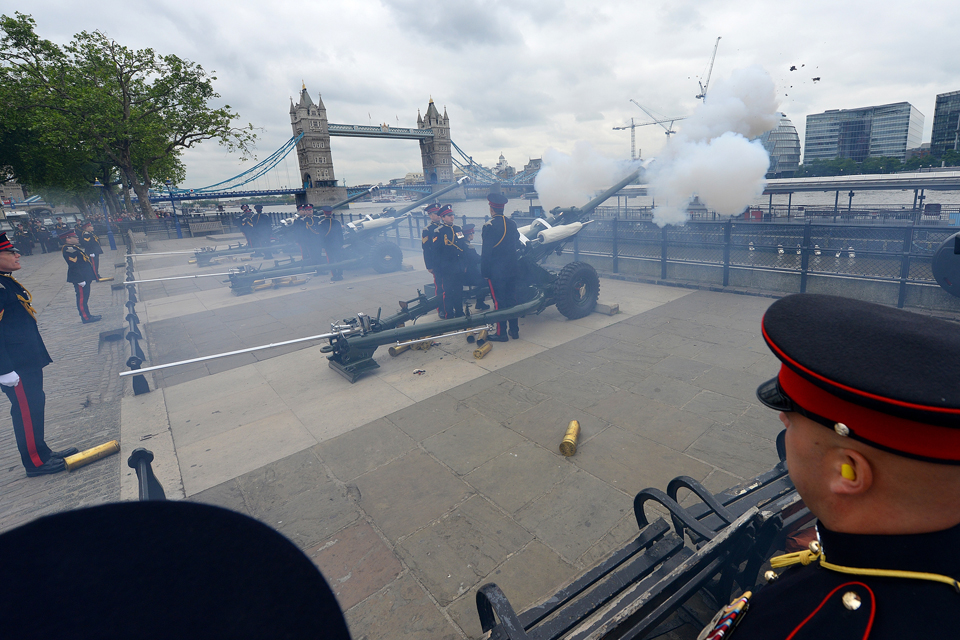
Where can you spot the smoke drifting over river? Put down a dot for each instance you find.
(573, 180)
(711, 156)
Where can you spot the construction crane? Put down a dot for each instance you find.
(668, 129)
(633, 137)
(704, 85)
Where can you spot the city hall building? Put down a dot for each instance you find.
(868, 132)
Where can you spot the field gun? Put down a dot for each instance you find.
(574, 290)
(206, 254)
(362, 246)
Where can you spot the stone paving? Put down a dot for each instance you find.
(411, 491)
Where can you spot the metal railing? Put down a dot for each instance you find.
(137, 356)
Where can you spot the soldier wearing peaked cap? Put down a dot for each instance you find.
(870, 397)
(90, 244)
(450, 247)
(499, 263)
(331, 239)
(22, 359)
(307, 233)
(427, 243)
(80, 273)
(262, 229)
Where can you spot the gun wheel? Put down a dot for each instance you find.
(578, 287)
(386, 257)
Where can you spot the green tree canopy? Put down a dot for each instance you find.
(95, 100)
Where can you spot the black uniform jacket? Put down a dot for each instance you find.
(307, 230)
(79, 268)
(331, 232)
(262, 222)
(810, 600)
(449, 246)
(90, 243)
(21, 346)
(429, 248)
(500, 249)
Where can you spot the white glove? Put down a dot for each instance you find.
(10, 379)
(82, 284)
(92, 255)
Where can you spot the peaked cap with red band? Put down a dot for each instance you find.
(432, 208)
(497, 200)
(886, 377)
(6, 245)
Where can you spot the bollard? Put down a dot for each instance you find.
(78, 460)
(150, 487)
(569, 445)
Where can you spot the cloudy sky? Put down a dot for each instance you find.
(520, 77)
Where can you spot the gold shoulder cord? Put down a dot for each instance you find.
(25, 301)
(815, 554)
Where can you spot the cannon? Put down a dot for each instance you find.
(362, 246)
(574, 290)
(205, 255)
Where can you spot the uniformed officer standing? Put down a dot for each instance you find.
(471, 261)
(450, 246)
(331, 238)
(262, 228)
(870, 398)
(22, 359)
(59, 229)
(246, 224)
(499, 263)
(429, 247)
(307, 232)
(79, 272)
(23, 239)
(90, 244)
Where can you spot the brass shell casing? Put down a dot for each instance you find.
(482, 351)
(482, 335)
(78, 460)
(569, 445)
(395, 350)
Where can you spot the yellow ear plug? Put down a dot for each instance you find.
(847, 472)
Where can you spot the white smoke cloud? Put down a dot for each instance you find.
(712, 157)
(573, 180)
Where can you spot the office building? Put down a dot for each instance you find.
(783, 144)
(868, 132)
(946, 124)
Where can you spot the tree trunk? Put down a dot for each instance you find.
(127, 202)
(82, 205)
(113, 202)
(143, 196)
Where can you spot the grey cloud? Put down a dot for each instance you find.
(455, 25)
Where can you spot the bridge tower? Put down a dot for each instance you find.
(436, 153)
(314, 153)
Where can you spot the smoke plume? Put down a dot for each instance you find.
(573, 180)
(712, 156)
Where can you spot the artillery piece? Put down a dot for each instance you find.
(206, 255)
(574, 290)
(361, 247)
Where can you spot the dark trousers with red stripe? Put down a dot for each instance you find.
(451, 287)
(504, 294)
(95, 260)
(27, 401)
(83, 296)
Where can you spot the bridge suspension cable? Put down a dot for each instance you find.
(251, 174)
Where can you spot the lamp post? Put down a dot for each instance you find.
(106, 215)
(176, 220)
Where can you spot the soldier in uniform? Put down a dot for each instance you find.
(22, 359)
(246, 224)
(45, 238)
(450, 246)
(79, 272)
(23, 239)
(90, 244)
(870, 399)
(499, 263)
(59, 229)
(429, 248)
(262, 228)
(307, 232)
(472, 277)
(331, 238)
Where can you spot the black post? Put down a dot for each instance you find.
(727, 232)
(616, 249)
(805, 256)
(576, 247)
(836, 203)
(663, 253)
(905, 266)
(150, 487)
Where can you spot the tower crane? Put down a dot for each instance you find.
(633, 137)
(704, 85)
(668, 129)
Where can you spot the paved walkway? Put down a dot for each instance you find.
(410, 491)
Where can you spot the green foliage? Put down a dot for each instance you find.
(881, 165)
(95, 103)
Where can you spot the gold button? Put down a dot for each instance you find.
(841, 429)
(770, 576)
(851, 600)
(814, 547)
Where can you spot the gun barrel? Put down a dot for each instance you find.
(596, 202)
(355, 196)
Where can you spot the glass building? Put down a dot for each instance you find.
(783, 145)
(868, 132)
(946, 124)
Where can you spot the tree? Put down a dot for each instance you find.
(880, 165)
(137, 109)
